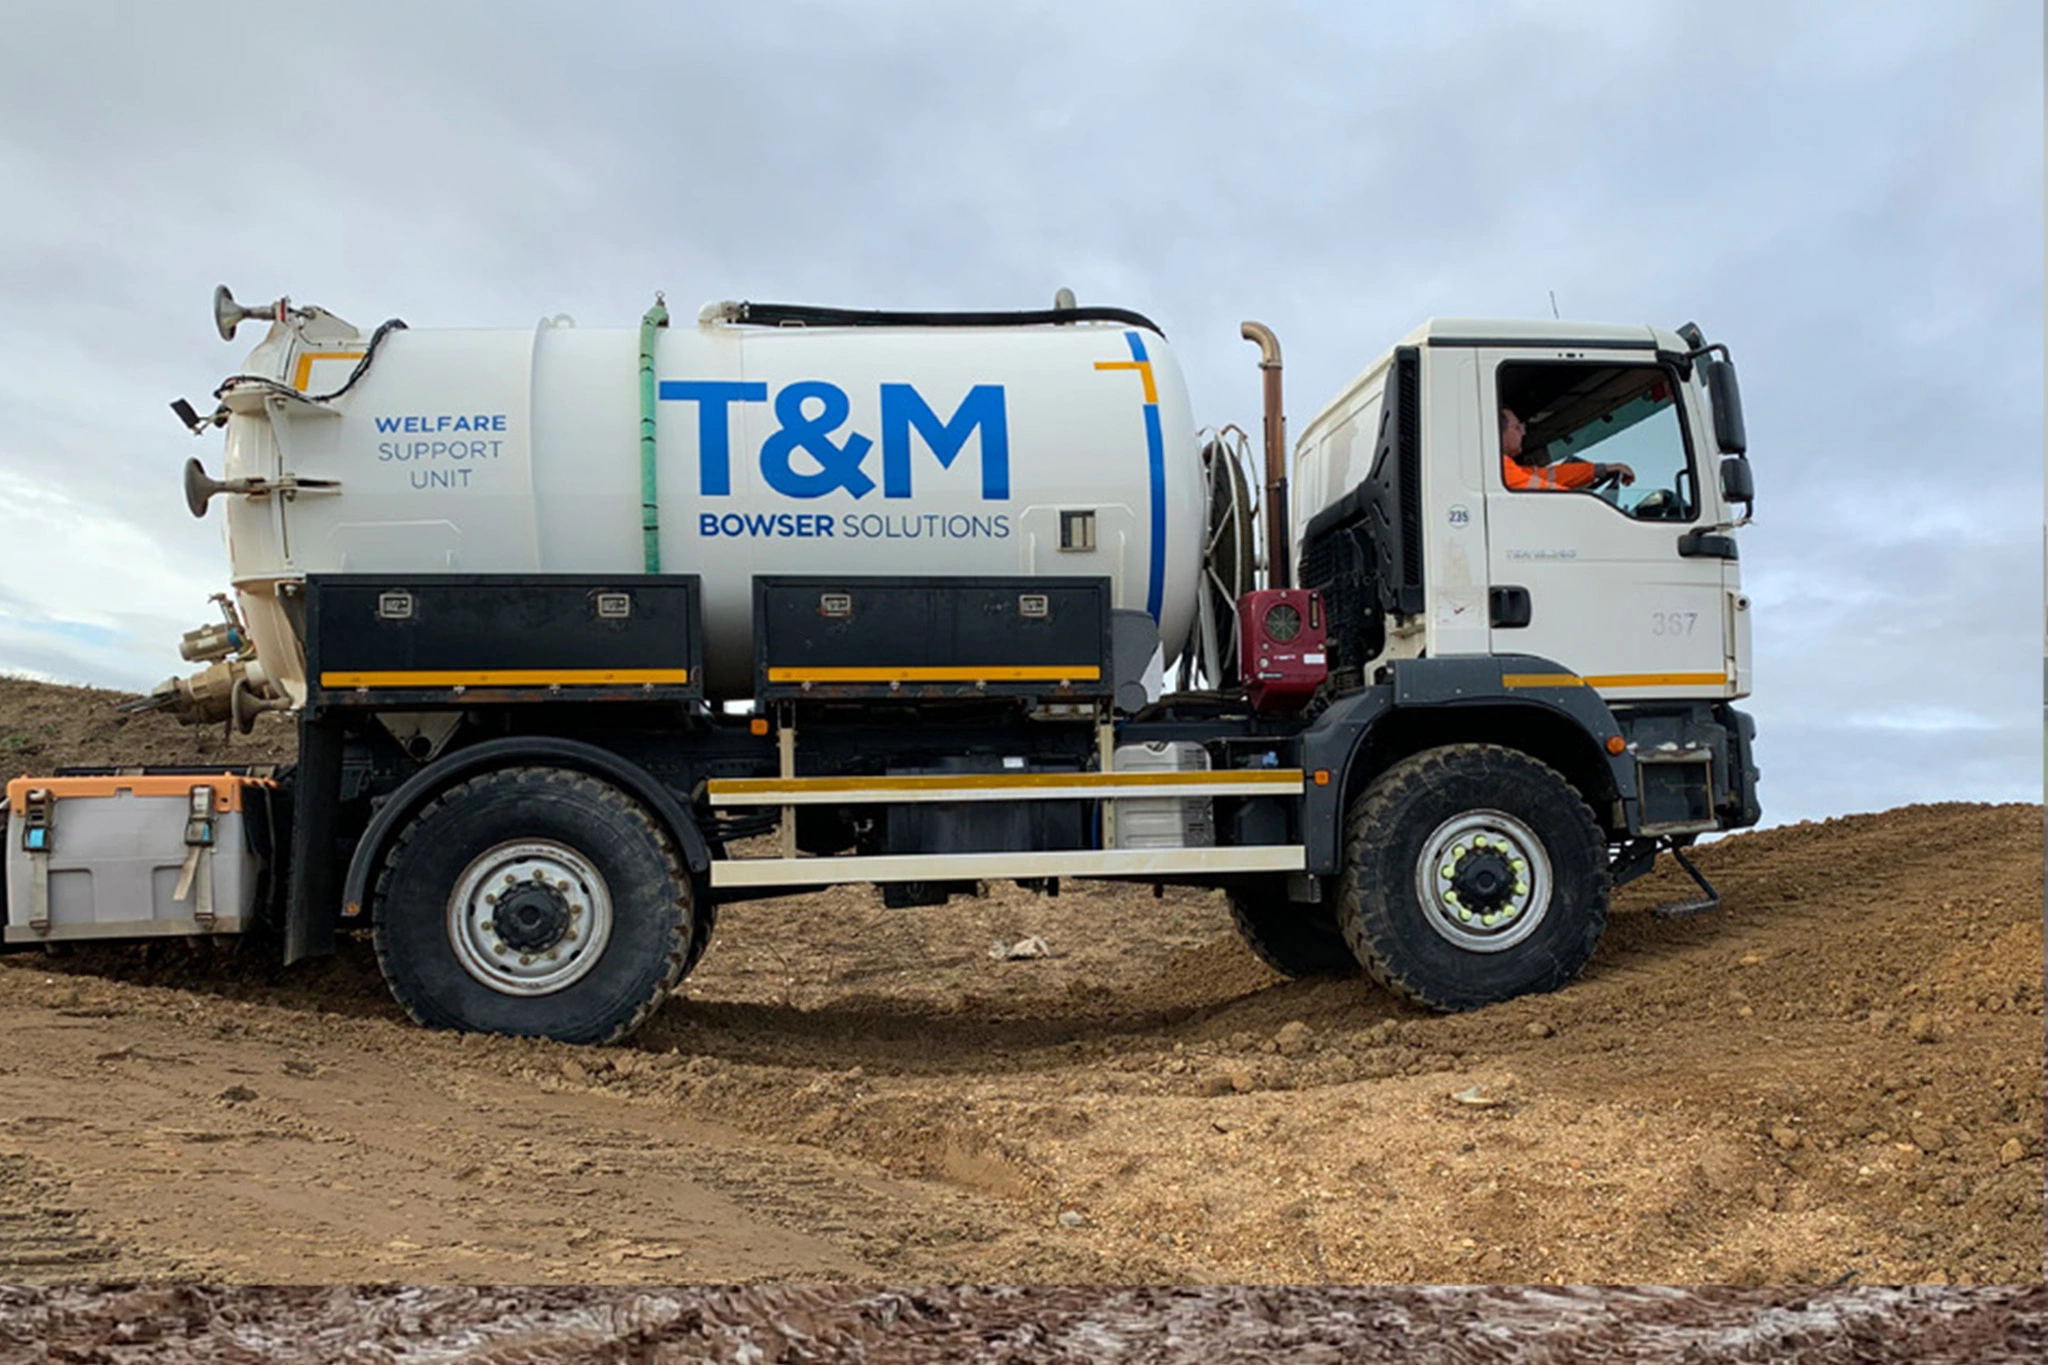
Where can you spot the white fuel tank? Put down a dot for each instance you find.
(903, 450)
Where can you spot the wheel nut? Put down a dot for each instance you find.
(526, 959)
(491, 899)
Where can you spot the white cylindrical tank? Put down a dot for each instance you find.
(855, 450)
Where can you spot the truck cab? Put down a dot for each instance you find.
(1602, 550)
(1636, 585)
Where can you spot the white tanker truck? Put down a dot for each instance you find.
(588, 632)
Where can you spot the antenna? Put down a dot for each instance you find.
(1553, 304)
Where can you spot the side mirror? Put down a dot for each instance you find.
(1726, 396)
(1737, 484)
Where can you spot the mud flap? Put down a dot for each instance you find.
(313, 899)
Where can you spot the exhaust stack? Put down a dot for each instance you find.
(1278, 573)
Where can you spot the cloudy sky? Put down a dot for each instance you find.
(1849, 195)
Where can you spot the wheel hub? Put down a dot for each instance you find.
(529, 917)
(1483, 880)
(532, 917)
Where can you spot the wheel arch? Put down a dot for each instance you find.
(1428, 703)
(423, 786)
(1541, 731)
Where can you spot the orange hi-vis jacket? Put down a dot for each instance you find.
(1570, 474)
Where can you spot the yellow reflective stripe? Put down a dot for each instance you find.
(1614, 680)
(774, 786)
(1658, 680)
(949, 673)
(1144, 369)
(506, 677)
(304, 373)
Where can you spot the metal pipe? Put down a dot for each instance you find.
(1277, 570)
(650, 512)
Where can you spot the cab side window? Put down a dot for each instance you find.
(1614, 431)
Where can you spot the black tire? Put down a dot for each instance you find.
(1292, 938)
(615, 863)
(1405, 923)
(704, 920)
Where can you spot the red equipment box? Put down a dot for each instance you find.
(1282, 633)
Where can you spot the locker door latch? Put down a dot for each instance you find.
(195, 878)
(36, 811)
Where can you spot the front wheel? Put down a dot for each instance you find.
(1472, 874)
(534, 901)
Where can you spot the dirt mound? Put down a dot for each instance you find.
(44, 727)
(1838, 1074)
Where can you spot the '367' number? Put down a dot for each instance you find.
(1673, 622)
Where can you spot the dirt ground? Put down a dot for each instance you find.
(1838, 1077)
(991, 1325)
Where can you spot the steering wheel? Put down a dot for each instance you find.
(1610, 479)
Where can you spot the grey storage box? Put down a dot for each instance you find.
(1164, 821)
(130, 857)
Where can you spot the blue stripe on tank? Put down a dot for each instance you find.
(1155, 452)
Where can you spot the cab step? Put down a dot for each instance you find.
(1711, 900)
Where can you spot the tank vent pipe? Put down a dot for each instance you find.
(1277, 574)
(650, 511)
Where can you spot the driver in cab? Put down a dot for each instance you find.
(1525, 476)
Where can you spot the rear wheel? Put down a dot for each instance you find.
(703, 922)
(535, 901)
(1472, 874)
(1292, 938)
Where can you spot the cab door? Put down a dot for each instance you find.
(1597, 579)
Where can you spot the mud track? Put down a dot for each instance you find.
(993, 1325)
(1838, 1075)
